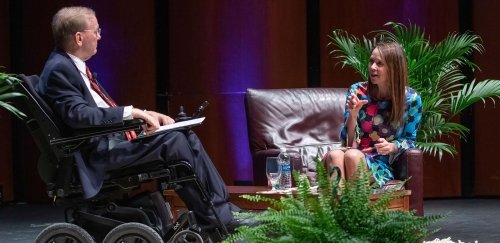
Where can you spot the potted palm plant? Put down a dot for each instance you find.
(435, 72)
(7, 82)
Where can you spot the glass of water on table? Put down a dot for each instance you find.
(273, 172)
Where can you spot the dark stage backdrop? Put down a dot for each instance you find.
(218, 49)
(487, 118)
(5, 118)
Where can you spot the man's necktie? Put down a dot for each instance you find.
(129, 134)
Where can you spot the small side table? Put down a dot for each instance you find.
(402, 203)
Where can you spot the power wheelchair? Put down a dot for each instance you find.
(112, 215)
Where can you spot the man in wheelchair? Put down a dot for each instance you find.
(79, 103)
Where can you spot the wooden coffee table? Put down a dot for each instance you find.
(402, 203)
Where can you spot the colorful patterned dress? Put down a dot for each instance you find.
(374, 123)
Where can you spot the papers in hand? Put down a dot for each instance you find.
(174, 126)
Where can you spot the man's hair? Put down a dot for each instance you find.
(397, 73)
(67, 21)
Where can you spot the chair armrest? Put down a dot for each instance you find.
(84, 134)
(410, 164)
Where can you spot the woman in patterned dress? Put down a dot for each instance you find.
(381, 117)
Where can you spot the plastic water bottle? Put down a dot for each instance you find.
(286, 169)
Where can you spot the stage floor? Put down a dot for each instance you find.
(467, 220)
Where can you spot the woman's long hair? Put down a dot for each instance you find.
(397, 73)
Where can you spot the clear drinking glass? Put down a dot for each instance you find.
(273, 172)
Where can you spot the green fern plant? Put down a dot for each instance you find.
(328, 216)
(435, 72)
(7, 82)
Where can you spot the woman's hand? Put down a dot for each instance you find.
(354, 104)
(384, 148)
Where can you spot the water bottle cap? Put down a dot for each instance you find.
(282, 150)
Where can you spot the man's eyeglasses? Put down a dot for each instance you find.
(97, 32)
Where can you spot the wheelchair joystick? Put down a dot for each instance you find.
(182, 116)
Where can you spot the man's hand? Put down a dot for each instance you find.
(153, 119)
(162, 119)
(152, 123)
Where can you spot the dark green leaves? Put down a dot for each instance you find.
(7, 82)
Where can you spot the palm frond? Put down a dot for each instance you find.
(7, 83)
(436, 126)
(411, 38)
(7, 86)
(474, 92)
(19, 114)
(10, 95)
(436, 148)
(433, 103)
(450, 80)
(458, 47)
(350, 52)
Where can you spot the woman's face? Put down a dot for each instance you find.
(377, 68)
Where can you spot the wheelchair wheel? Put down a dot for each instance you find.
(186, 236)
(64, 232)
(132, 232)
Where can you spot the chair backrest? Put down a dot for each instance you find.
(36, 108)
(294, 117)
(42, 125)
(305, 120)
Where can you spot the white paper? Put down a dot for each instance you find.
(180, 124)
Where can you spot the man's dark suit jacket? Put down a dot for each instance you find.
(64, 90)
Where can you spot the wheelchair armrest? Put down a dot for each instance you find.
(83, 134)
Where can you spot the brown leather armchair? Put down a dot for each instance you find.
(305, 118)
